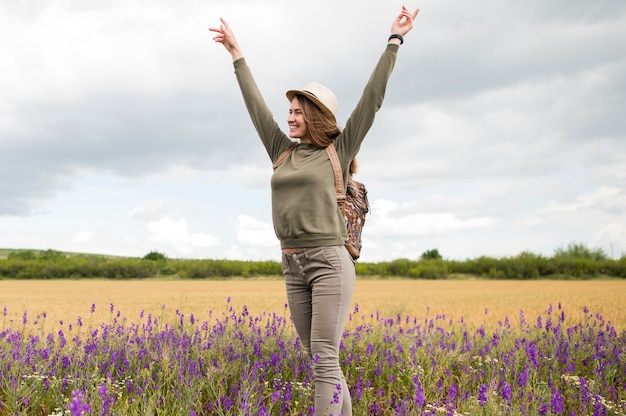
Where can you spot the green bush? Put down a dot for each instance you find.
(429, 269)
(22, 255)
(431, 255)
(580, 251)
(51, 255)
(155, 256)
(576, 262)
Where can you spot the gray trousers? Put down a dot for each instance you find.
(320, 282)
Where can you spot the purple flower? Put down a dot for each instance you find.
(275, 397)
(531, 352)
(77, 407)
(420, 398)
(482, 395)
(584, 391)
(522, 377)
(481, 331)
(108, 400)
(556, 402)
(336, 394)
(495, 340)
(543, 410)
(506, 392)
(452, 393)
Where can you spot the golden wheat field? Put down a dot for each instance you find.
(476, 302)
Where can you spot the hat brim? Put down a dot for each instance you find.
(292, 93)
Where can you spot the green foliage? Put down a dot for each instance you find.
(616, 268)
(155, 256)
(580, 251)
(400, 267)
(429, 269)
(575, 262)
(51, 255)
(236, 363)
(202, 269)
(431, 255)
(22, 255)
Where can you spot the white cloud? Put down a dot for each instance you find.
(611, 239)
(149, 212)
(252, 232)
(501, 128)
(83, 236)
(390, 220)
(605, 198)
(175, 236)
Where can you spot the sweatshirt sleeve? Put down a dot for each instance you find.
(274, 140)
(362, 117)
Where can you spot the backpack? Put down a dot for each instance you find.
(354, 210)
(353, 203)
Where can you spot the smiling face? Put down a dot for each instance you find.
(297, 126)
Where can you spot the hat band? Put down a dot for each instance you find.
(309, 92)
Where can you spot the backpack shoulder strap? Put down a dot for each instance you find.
(334, 161)
(283, 155)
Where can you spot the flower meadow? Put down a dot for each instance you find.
(234, 363)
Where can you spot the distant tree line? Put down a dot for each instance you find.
(574, 262)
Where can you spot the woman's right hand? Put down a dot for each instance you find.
(226, 37)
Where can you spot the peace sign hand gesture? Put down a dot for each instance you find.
(404, 22)
(226, 37)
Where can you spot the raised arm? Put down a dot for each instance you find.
(226, 37)
(362, 117)
(273, 138)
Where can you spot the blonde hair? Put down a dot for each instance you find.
(321, 128)
(353, 167)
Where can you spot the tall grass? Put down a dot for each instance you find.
(477, 301)
(237, 363)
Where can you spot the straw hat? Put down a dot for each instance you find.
(320, 95)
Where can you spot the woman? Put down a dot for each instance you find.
(318, 270)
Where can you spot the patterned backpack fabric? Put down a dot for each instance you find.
(353, 203)
(354, 210)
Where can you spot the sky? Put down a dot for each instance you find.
(123, 131)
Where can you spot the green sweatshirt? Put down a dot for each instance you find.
(304, 203)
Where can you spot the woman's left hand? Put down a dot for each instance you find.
(404, 22)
